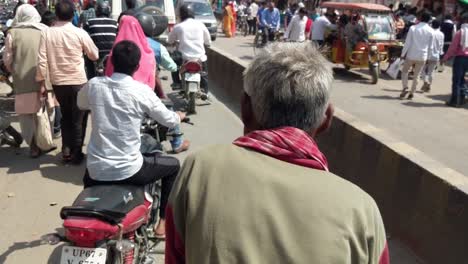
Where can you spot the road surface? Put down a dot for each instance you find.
(425, 122)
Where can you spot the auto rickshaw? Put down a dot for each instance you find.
(377, 24)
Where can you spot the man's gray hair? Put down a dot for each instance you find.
(289, 85)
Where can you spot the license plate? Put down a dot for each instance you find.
(192, 77)
(80, 255)
(193, 87)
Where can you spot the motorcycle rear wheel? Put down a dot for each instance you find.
(191, 103)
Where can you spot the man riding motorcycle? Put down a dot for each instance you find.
(271, 22)
(118, 105)
(163, 59)
(192, 37)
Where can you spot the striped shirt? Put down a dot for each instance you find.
(102, 31)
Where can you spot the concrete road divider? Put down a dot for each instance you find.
(423, 203)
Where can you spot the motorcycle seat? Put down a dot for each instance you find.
(109, 203)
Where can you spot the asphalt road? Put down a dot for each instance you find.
(425, 122)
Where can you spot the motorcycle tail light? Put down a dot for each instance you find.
(86, 237)
(192, 67)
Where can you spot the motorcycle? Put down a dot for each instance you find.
(8, 134)
(113, 224)
(190, 73)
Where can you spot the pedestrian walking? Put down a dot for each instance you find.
(297, 27)
(21, 47)
(419, 43)
(87, 14)
(449, 29)
(290, 12)
(229, 20)
(103, 31)
(252, 18)
(49, 19)
(61, 56)
(433, 57)
(320, 26)
(459, 50)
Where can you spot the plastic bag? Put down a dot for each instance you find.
(44, 138)
(394, 68)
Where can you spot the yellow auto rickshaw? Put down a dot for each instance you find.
(369, 49)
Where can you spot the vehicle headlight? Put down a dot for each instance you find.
(373, 48)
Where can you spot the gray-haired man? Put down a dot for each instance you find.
(262, 199)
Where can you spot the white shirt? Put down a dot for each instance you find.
(296, 29)
(192, 36)
(319, 26)
(438, 46)
(419, 42)
(253, 11)
(118, 104)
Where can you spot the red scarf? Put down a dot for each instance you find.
(288, 144)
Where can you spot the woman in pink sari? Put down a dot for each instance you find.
(130, 29)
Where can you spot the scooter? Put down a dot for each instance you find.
(190, 73)
(113, 224)
(8, 134)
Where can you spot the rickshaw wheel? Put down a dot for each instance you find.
(374, 72)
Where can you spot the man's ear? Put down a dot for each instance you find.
(326, 124)
(247, 115)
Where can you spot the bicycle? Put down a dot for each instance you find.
(243, 25)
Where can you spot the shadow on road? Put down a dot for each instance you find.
(18, 246)
(380, 97)
(18, 162)
(246, 58)
(419, 104)
(64, 173)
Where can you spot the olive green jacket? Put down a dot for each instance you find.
(25, 48)
(234, 205)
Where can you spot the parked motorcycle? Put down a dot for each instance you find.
(8, 134)
(113, 224)
(190, 75)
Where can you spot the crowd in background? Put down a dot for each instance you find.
(423, 58)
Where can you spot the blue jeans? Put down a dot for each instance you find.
(460, 67)
(58, 118)
(177, 139)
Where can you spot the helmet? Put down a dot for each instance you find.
(103, 9)
(186, 11)
(147, 23)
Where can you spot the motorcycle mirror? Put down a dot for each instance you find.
(9, 22)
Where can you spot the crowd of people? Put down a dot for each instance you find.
(430, 40)
(54, 60)
(410, 25)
